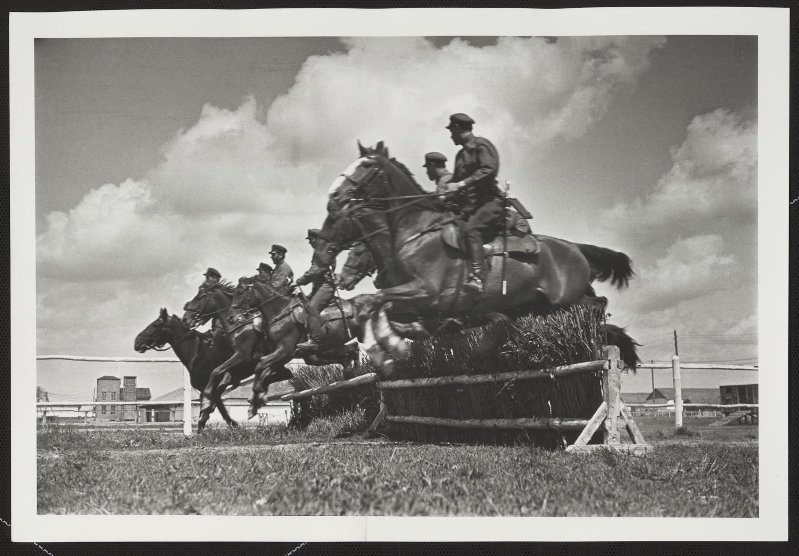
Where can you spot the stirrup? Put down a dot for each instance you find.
(473, 283)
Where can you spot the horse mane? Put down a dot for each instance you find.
(227, 286)
(429, 203)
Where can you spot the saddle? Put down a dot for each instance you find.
(520, 238)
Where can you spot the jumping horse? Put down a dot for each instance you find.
(413, 240)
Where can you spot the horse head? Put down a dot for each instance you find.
(206, 304)
(155, 334)
(359, 264)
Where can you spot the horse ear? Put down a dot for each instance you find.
(361, 148)
(164, 315)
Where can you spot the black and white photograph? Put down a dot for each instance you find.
(350, 267)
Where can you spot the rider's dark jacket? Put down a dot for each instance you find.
(317, 275)
(477, 166)
(282, 276)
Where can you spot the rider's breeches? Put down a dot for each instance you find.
(479, 222)
(320, 297)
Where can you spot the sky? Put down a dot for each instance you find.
(156, 158)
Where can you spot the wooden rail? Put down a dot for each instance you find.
(368, 378)
(697, 405)
(522, 423)
(555, 372)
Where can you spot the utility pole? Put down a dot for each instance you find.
(676, 351)
(652, 370)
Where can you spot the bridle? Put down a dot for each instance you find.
(351, 207)
(162, 345)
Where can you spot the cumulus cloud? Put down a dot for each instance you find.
(232, 183)
(712, 183)
(520, 91)
(115, 231)
(691, 268)
(238, 180)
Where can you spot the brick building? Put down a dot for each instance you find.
(110, 389)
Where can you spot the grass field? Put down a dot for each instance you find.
(699, 471)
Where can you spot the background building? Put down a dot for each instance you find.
(109, 390)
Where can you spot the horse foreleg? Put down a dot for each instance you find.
(226, 416)
(271, 368)
(219, 380)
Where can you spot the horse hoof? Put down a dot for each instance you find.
(252, 412)
(234, 425)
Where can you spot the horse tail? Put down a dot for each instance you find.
(617, 336)
(608, 264)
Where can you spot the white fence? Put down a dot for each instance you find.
(678, 407)
(676, 371)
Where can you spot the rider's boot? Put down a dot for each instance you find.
(314, 334)
(475, 282)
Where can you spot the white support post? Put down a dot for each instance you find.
(675, 371)
(186, 403)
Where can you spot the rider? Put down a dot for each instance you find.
(474, 189)
(436, 166)
(282, 275)
(264, 273)
(321, 276)
(212, 282)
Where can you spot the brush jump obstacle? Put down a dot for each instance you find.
(576, 405)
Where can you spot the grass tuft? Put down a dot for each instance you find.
(347, 411)
(685, 430)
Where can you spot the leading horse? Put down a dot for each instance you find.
(377, 202)
(196, 353)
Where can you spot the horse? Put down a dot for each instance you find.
(284, 324)
(245, 343)
(195, 352)
(413, 240)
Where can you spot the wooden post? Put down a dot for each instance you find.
(611, 386)
(186, 403)
(675, 371)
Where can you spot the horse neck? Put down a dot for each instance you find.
(220, 304)
(399, 183)
(274, 305)
(383, 246)
(184, 343)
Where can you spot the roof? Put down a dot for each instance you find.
(108, 377)
(142, 394)
(689, 395)
(176, 395)
(244, 390)
(634, 397)
(744, 384)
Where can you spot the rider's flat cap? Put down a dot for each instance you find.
(278, 249)
(433, 157)
(459, 119)
(212, 272)
(314, 232)
(264, 266)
